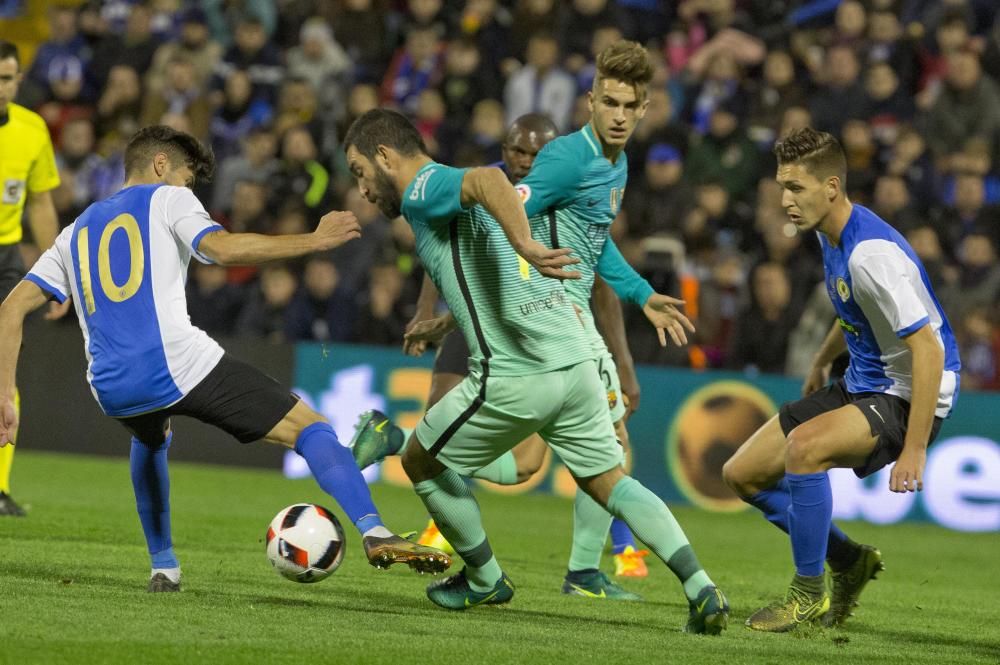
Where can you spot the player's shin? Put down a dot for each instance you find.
(455, 510)
(591, 523)
(151, 484)
(7, 452)
(775, 502)
(809, 520)
(653, 523)
(336, 473)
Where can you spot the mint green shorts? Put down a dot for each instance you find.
(478, 421)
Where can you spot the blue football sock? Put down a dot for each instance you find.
(334, 469)
(621, 536)
(151, 485)
(775, 502)
(809, 520)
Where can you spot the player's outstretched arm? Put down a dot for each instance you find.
(608, 314)
(24, 299)
(429, 331)
(229, 249)
(662, 311)
(490, 188)
(928, 366)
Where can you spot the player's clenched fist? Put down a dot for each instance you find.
(336, 228)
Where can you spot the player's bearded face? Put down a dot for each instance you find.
(387, 197)
(616, 107)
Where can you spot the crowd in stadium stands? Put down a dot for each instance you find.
(911, 87)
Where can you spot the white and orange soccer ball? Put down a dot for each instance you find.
(305, 543)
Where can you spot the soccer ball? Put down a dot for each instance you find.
(305, 543)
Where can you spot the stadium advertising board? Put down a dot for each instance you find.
(687, 427)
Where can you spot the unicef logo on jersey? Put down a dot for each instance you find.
(842, 290)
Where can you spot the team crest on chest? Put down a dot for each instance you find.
(842, 290)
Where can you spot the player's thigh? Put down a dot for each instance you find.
(479, 420)
(839, 438)
(608, 371)
(529, 455)
(582, 433)
(451, 365)
(246, 403)
(759, 463)
(441, 384)
(148, 428)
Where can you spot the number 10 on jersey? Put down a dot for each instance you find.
(137, 262)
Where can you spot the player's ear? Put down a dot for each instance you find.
(161, 164)
(590, 100)
(383, 157)
(832, 187)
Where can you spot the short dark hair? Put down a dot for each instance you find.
(179, 147)
(9, 50)
(384, 127)
(819, 152)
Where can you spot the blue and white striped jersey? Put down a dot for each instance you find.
(881, 293)
(124, 261)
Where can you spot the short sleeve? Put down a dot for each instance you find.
(44, 175)
(50, 273)
(884, 279)
(553, 180)
(435, 195)
(187, 219)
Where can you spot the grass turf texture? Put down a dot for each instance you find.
(73, 577)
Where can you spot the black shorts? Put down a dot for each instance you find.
(235, 397)
(887, 416)
(453, 355)
(12, 269)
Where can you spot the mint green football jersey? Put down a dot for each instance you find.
(572, 195)
(516, 321)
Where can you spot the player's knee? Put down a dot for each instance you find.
(418, 463)
(804, 449)
(733, 477)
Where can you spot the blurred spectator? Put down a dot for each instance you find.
(465, 82)
(321, 311)
(967, 214)
(482, 143)
(725, 154)
(265, 315)
(809, 332)
(488, 24)
(181, 94)
(212, 302)
(354, 259)
(979, 343)
(193, 44)
(248, 209)
(360, 26)
(135, 48)
(120, 104)
(239, 113)
(428, 118)
(77, 161)
(580, 19)
(968, 106)
(226, 16)
(773, 95)
(979, 274)
(841, 96)
(760, 340)
(887, 44)
(531, 16)
(656, 127)
(67, 101)
(886, 105)
(892, 202)
(257, 159)
(721, 299)
(661, 199)
(253, 54)
(323, 63)
(417, 65)
(950, 36)
(910, 159)
(861, 151)
(301, 179)
(723, 82)
(604, 36)
(541, 85)
(382, 318)
(64, 57)
(298, 106)
(927, 246)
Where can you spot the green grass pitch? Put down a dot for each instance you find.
(73, 576)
